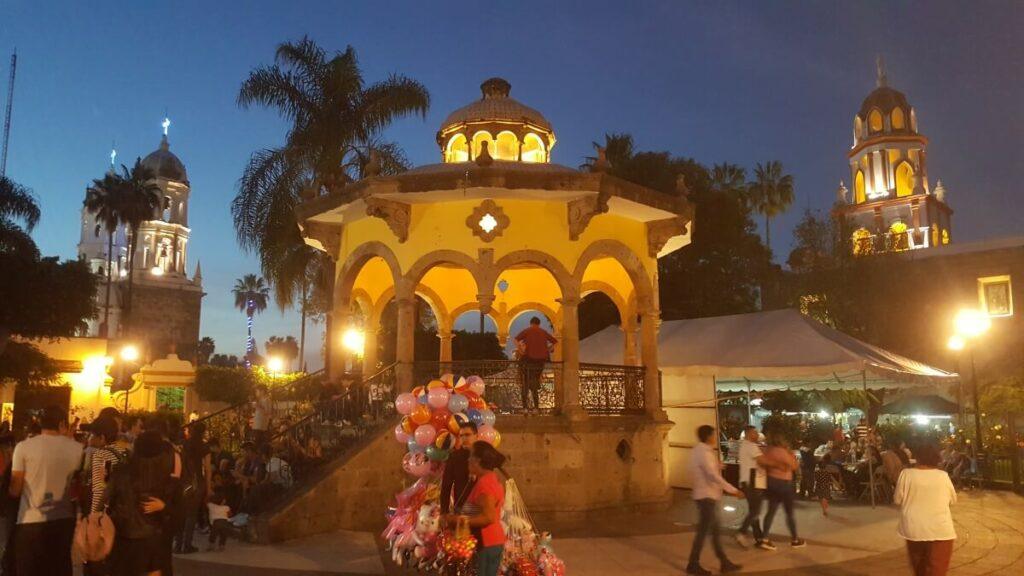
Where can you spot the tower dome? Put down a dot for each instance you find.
(884, 112)
(506, 128)
(165, 164)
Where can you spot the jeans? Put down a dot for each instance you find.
(780, 492)
(188, 527)
(44, 548)
(532, 370)
(753, 518)
(707, 523)
(488, 560)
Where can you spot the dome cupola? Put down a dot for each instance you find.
(507, 129)
(165, 164)
(884, 112)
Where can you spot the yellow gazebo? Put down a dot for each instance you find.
(497, 228)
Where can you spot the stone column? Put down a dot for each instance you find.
(649, 356)
(369, 351)
(569, 396)
(446, 337)
(629, 333)
(406, 337)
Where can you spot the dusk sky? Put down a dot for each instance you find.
(717, 81)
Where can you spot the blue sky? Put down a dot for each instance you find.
(719, 81)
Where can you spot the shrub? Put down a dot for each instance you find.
(786, 426)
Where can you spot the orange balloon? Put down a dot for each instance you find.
(497, 439)
(435, 384)
(421, 414)
(477, 403)
(408, 425)
(453, 425)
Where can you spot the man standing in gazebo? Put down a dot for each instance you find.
(534, 346)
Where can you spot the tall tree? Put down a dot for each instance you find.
(204, 350)
(141, 202)
(770, 194)
(336, 122)
(17, 203)
(105, 199)
(251, 296)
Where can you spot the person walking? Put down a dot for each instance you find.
(924, 494)
(780, 463)
(753, 481)
(455, 482)
(708, 485)
(534, 346)
(41, 471)
(483, 507)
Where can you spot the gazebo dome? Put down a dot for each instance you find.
(165, 164)
(507, 128)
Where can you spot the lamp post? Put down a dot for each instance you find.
(970, 324)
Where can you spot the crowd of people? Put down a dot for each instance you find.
(918, 481)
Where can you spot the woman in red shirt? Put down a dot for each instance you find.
(483, 506)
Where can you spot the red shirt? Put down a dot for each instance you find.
(492, 534)
(536, 340)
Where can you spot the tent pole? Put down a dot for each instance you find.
(750, 417)
(871, 467)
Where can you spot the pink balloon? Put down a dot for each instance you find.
(425, 434)
(438, 397)
(485, 433)
(405, 403)
(401, 435)
(417, 464)
(476, 385)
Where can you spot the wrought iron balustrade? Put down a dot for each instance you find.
(504, 381)
(608, 389)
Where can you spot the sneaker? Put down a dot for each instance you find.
(697, 571)
(798, 543)
(742, 540)
(765, 545)
(728, 567)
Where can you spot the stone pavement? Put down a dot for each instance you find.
(854, 540)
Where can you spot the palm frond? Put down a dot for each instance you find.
(18, 202)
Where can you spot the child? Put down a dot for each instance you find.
(823, 483)
(220, 526)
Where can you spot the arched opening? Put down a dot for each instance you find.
(426, 345)
(859, 195)
(896, 119)
(534, 149)
(506, 146)
(457, 150)
(904, 180)
(862, 242)
(898, 236)
(469, 342)
(913, 120)
(478, 138)
(875, 123)
(858, 128)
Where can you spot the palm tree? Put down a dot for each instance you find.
(251, 296)
(770, 194)
(336, 121)
(204, 350)
(618, 149)
(142, 200)
(17, 203)
(729, 179)
(105, 199)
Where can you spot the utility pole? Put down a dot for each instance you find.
(7, 116)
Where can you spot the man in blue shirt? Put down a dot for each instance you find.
(708, 485)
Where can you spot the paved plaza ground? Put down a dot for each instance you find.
(854, 540)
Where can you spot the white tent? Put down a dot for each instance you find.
(777, 350)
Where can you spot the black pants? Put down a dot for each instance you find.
(532, 370)
(780, 492)
(707, 524)
(220, 530)
(44, 548)
(753, 518)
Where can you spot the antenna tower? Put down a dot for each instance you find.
(7, 116)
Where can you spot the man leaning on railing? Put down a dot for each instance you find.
(533, 349)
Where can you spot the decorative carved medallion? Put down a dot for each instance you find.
(659, 232)
(396, 214)
(488, 221)
(582, 210)
(328, 235)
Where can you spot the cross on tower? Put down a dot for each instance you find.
(166, 124)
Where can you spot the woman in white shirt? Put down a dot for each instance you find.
(924, 494)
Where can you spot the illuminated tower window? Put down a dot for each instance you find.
(875, 121)
(858, 188)
(897, 119)
(533, 149)
(506, 147)
(458, 149)
(904, 180)
(482, 136)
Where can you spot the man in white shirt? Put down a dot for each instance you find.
(753, 481)
(705, 473)
(41, 472)
(262, 413)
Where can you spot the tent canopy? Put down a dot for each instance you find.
(929, 404)
(772, 350)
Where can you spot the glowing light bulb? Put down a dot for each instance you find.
(971, 323)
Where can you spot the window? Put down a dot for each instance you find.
(897, 119)
(904, 180)
(483, 136)
(533, 149)
(862, 242)
(996, 295)
(875, 121)
(458, 149)
(858, 128)
(506, 147)
(858, 188)
(913, 120)
(898, 239)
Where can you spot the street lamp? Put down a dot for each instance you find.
(129, 353)
(275, 364)
(969, 324)
(354, 340)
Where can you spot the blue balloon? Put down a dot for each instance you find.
(487, 417)
(422, 399)
(457, 403)
(414, 447)
(475, 416)
(437, 454)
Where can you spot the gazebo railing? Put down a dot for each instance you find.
(504, 380)
(609, 389)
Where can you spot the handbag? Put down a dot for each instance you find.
(93, 539)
